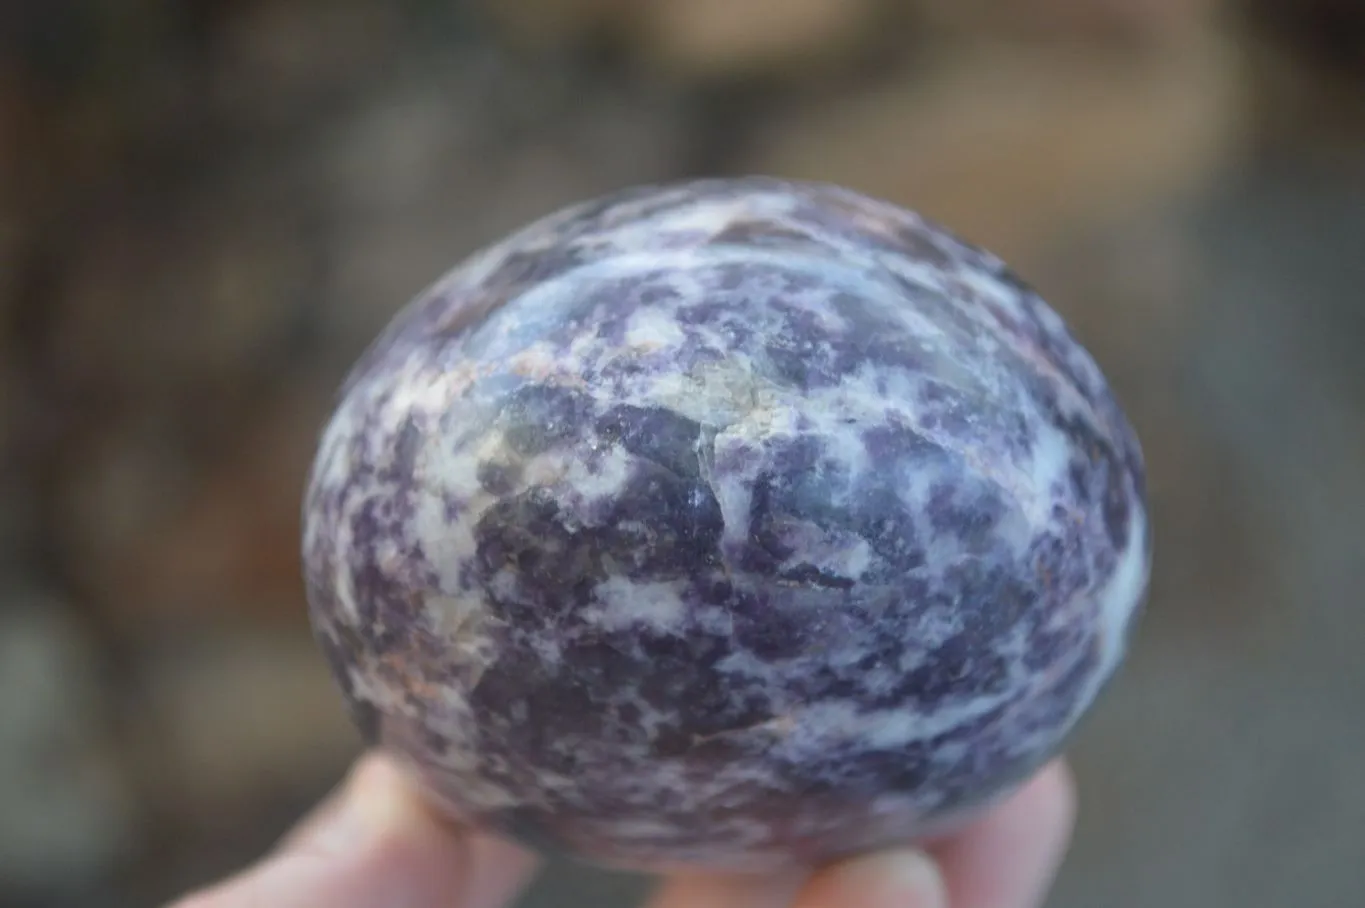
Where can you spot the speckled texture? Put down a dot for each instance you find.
(727, 523)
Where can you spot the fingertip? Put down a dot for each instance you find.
(1056, 791)
(376, 842)
(727, 891)
(374, 801)
(1009, 858)
(499, 870)
(456, 865)
(892, 879)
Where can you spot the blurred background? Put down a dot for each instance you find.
(209, 207)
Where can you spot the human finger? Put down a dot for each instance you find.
(703, 890)
(902, 878)
(1009, 858)
(375, 844)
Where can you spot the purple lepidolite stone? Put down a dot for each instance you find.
(729, 523)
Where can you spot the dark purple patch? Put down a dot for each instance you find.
(893, 441)
(810, 575)
(556, 567)
(657, 434)
(405, 449)
(1058, 561)
(822, 683)
(1116, 506)
(795, 365)
(387, 598)
(794, 498)
(367, 719)
(499, 478)
(1050, 707)
(519, 682)
(540, 417)
(1048, 646)
(663, 525)
(963, 666)
(736, 456)
(868, 773)
(969, 509)
(992, 595)
(1097, 473)
(766, 629)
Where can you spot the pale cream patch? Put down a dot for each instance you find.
(651, 329)
(547, 648)
(454, 472)
(1121, 594)
(824, 724)
(989, 288)
(537, 362)
(331, 469)
(418, 390)
(612, 473)
(745, 664)
(839, 554)
(455, 538)
(925, 275)
(504, 584)
(462, 621)
(717, 394)
(622, 604)
(710, 216)
(1046, 467)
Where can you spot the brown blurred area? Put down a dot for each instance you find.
(209, 207)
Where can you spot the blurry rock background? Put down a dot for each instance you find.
(209, 207)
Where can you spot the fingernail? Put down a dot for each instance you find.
(892, 879)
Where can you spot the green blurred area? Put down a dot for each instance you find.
(209, 208)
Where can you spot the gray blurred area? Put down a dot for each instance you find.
(209, 208)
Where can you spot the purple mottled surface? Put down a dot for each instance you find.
(728, 523)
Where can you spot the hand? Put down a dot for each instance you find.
(374, 844)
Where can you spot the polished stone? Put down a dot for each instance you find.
(731, 523)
